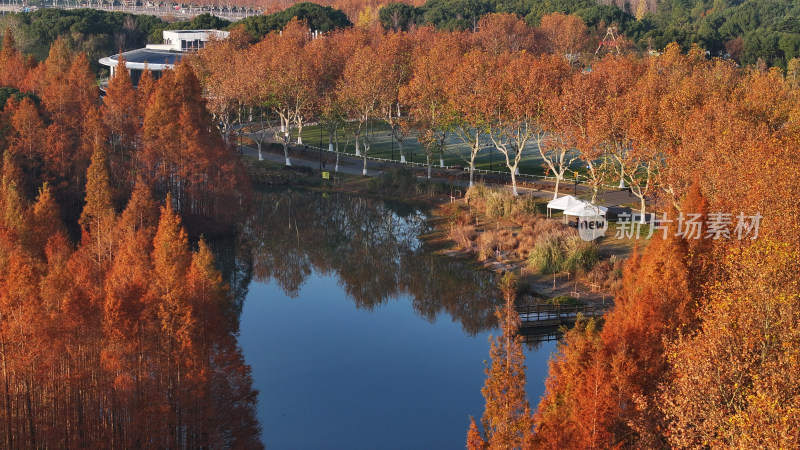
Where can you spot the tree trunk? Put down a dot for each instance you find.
(286, 153)
(558, 182)
(299, 132)
(428, 163)
(642, 219)
(472, 171)
(29, 406)
(514, 183)
(9, 438)
(260, 155)
(402, 155)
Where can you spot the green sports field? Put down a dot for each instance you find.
(384, 146)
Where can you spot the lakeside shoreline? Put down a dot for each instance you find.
(537, 288)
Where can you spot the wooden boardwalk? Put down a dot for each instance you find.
(544, 316)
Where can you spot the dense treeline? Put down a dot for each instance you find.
(95, 33)
(160, 134)
(477, 86)
(744, 31)
(123, 336)
(701, 347)
(319, 18)
(700, 136)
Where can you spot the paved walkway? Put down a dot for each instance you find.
(351, 165)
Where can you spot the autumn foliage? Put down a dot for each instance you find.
(113, 330)
(700, 348)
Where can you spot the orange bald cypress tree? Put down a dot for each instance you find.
(474, 439)
(98, 216)
(735, 380)
(507, 419)
(26, 143)
(176, 318)
(121, 113)
(47, 223)
(144, 89)
(602, 387)
(13, 66)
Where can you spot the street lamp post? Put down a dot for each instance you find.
(391, 136)
(491, 153)
(576, 184)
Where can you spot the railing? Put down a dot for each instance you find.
(464, 170)
(544, 315)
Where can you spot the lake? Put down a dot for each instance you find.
(359, 333)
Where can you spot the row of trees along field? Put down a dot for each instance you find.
(702, 347)
(507, 86)
(113, 332)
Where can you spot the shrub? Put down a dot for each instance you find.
(463, 235)
(476, 195)
(528, 206)
(607, 274)
(498, 203)
(547, 256)
(564, 300)
(487, 244)
(580, 256)
(507, 240)
(555, 253)
(397, 179)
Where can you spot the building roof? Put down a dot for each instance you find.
(151, 58)
(192, 31)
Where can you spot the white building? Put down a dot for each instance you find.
(160, 57)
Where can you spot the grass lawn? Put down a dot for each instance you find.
(384, 146)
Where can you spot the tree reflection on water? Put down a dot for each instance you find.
(373, 247)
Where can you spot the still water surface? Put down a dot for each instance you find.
(359, 334)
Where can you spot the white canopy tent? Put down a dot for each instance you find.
(586, 209)
(562, 203)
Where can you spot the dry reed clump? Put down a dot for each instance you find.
(554, 253)
(508, 240)
(607, 274)
(488, 242)
(498, 203)
(476, 196)
(536, 228)
(463, 235)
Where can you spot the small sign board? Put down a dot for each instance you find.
(326, 175)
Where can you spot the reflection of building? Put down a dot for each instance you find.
(158, 57)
